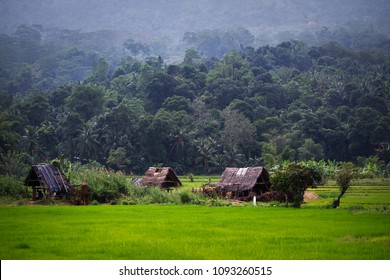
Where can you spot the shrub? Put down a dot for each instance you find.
(218, 202)
(185, 197)
(94, 202)
(10, 186)
(104, 185)
(147, 195)
(188, 197)
(157, 195)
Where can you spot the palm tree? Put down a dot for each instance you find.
(232, 156)
(206, 151)
(68, 131)
(179, 138)
(87, 142)
(30, 140)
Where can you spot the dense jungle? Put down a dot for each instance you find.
(211, 97)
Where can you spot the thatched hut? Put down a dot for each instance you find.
(47, 180)
(242, 182)
(164, 177)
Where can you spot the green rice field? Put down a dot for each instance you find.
(359, 229)
(356, 196)
(192, 232)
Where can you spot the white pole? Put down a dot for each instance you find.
(254, 200)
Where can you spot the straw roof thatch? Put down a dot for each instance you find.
(241, 181)
(48, 178)
(164, 177)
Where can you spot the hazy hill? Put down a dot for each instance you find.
(158, 18)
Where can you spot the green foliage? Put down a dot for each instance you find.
(114, 187)
(154, 195)
(295, 178)
(218, 42)
(86, 100)
(14, 164)
(136, 48)
(185, 197)
(310, 150)
(238, 132)
(370, 167)
(117, 158)
(104, 186)
(94, 202)
(188, 197)
(66, 167)
(12, 187)
(343, 176)
(9, 137)
(245, 106)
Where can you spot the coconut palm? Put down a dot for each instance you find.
(87, 142)
(206, 148)
(233, 157)
(30, 140)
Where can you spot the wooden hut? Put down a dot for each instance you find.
(47, 180)
(242, 182)
(164, 177)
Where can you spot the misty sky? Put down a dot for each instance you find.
(177, 16)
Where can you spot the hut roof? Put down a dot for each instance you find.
(243, 179)
(164, 177)
(47, 176)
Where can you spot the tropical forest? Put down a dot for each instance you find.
(209, 99)
(241, 132)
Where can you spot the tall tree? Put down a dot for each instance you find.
(34, 108)
(9, 138)
(86, 100)
(238, 132)
(99, 75)
(69, 130)
(158, 89)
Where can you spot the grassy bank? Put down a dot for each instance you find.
(191, 232)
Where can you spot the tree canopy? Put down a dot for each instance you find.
(243, 106)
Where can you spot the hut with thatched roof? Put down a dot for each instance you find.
(242, 182)
(164, 177)
(47, 180)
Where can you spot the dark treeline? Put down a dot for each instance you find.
(105, 97)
